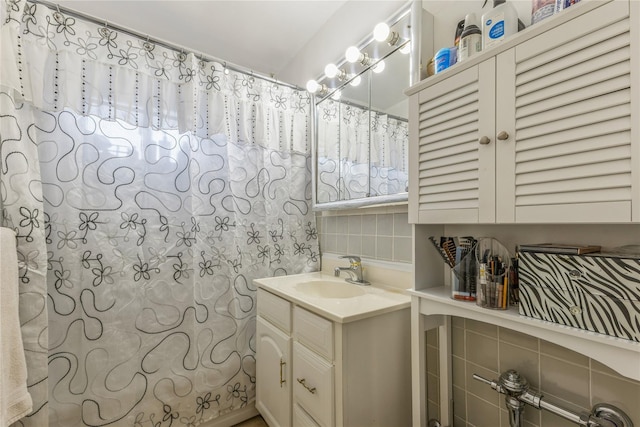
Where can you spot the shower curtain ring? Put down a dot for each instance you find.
(104, 30)
(57, 15)
(148, 46)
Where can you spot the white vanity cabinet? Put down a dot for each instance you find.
(539, 131)
(313, 371)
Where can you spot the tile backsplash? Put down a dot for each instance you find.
(383, 236)
(565, 378)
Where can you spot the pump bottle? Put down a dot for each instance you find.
(470, 39)
(498, 23)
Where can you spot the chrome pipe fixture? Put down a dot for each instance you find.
(517, 393)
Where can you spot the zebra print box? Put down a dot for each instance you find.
(595, 292)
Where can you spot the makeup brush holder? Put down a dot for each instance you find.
(459, 254)
(494, 271)
(464, 276)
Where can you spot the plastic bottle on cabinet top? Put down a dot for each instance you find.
(471, 38)
(542, 9)
(498, 23)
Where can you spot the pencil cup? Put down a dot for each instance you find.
(493, 268)
(464, 275)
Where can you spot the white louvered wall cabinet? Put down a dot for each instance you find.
(543, 129)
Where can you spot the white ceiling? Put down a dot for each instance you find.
(290, 39)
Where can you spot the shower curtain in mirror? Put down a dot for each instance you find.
(361, 153)
(148, 188)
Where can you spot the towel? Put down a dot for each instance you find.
(15, 400)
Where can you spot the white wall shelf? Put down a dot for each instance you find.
(621, 355)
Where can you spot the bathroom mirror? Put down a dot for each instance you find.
(361, 126)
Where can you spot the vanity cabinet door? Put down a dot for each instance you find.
(453, 162)
(273, 374)
(565, 99)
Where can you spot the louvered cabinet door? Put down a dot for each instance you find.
(565, 100)
(454, 172)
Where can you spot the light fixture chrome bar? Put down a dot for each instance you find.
(133, 33)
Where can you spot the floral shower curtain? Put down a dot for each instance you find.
(148, 187)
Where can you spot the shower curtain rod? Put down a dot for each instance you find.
(146, 37)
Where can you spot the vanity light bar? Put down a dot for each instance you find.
(381, 33)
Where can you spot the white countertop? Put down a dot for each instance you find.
(376, 299)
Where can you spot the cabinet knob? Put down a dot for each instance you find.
(502, 136)
(484, 140)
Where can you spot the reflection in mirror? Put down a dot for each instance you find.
(361, 144)
(363, 135)
(343, 143)
(389, 172)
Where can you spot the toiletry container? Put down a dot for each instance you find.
(494, 270)
(597, 292)
(445, 58)
(541, 9)
(459, 29)
(563, 4)
(499, 23)
(470, 39)
(431, 67)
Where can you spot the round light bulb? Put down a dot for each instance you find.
(352, 54)
(381, 32)
(356, 81)
(312, 86)
(331, 70)
(406, 48)
(336, 95)
(379, 67)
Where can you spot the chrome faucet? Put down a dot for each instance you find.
(354, 270)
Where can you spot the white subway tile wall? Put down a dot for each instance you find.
(564, 377)
(382, 236)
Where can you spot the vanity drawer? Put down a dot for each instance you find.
(314, 331)
(275, 309)
(598, 293)
(313, 384)
(301, 418)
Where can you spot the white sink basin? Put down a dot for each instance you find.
(329, 289)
